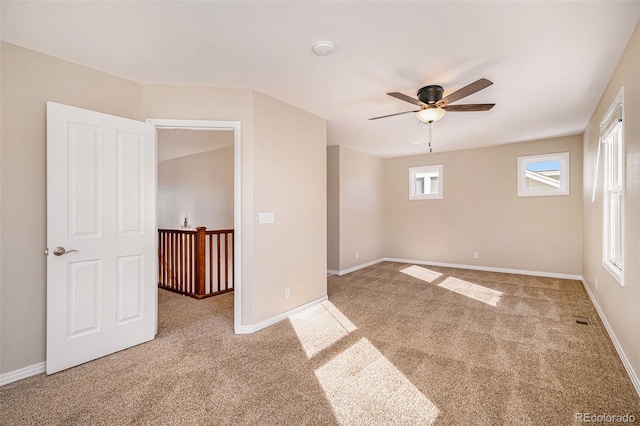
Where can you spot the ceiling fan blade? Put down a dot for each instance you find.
(470, 89)
(391, 115)
(468, 107)
(406, 98)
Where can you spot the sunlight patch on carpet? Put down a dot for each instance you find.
(364, 387)
(421, 273)
(474, 291)
(320, 326)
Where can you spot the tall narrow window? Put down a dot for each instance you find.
(612, 139)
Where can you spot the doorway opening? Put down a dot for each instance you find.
(223, 135)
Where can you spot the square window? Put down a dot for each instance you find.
(425, 182)
(540, 175)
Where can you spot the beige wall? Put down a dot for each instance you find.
(289, 167)
(362, 211)
(621, 305)
(211, 103)
(279, 142)
(2, 253)
(29, 80)
(198, 187)
(481, 212)
(333, 208)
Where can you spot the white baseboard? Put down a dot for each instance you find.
(23, 373)
(625, 361)
(333, 272)
(248, 329)
(355, 268)
(488, 268)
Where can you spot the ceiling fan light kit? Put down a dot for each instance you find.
(430, 114)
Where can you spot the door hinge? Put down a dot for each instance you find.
(46, 251)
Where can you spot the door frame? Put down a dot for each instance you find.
(173, 124)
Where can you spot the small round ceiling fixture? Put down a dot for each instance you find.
(323, 48)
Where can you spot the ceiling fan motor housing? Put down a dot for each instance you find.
(430, 94)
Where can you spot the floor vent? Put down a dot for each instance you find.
(581, 320)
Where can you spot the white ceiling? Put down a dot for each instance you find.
(549, 60)
(183, 142)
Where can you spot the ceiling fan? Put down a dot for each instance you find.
(433, 106)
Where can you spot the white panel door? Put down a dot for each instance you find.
(101, 235)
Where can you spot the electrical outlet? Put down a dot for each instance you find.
(357, 255)
(287, 292)
(476, 255)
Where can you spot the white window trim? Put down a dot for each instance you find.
(412, 187)
(617, 272)
(563, 189)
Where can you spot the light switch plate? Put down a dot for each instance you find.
(266, 217)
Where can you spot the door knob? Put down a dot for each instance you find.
(59, 251)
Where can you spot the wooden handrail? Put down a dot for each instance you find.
(219, 231)
(183, 262)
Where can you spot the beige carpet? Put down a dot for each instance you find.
(396, 344)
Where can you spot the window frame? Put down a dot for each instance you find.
(413, 171)
(612, 138)
(563, 189)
